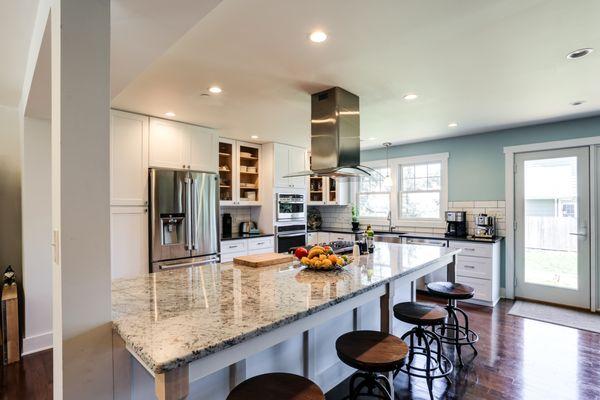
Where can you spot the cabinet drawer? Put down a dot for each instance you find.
(234, 246)
(260, 243)
(473, 249)
(483, 287)
(230, 256)
(260, 251)
(346, 237)
(475, 267)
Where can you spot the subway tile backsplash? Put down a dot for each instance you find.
(340, 217)
(238, 214)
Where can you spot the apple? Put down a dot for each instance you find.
(300, 252)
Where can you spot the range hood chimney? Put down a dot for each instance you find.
(335, 136)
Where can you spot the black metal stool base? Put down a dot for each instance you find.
(455, 334)
(435, 364)
(370, 381)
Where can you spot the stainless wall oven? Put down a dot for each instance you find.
(288, 236)
(290, 207)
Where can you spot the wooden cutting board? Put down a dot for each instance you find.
(263, 260)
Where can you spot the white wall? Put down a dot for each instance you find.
(37, 235)
(10, 190)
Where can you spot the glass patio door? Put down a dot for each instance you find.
(552, 242)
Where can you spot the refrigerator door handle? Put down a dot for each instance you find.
(194, 209)
(188, 214)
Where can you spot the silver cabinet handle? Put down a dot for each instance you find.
(260, 243)
(578, 234)
(468, 249)
(469, 266)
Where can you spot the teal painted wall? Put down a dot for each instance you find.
(476, 163)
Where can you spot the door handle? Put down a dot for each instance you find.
(578, 234)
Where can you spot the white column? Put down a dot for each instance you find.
(80, 199)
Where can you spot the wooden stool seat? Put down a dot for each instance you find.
(450, 290)
(277, 386)
(371, 351)
(419, 313)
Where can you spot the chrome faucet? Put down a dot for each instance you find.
(389, 218)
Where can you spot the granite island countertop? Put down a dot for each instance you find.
(171, 318)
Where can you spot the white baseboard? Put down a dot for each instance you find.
(33, 344)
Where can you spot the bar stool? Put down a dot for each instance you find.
(277, 386)
(435, 364)
(453, 332)
(373, 354)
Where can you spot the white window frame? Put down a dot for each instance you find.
(375, 220)
(424, 159)
(395, 164)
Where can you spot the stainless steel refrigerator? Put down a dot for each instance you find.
(184, 218)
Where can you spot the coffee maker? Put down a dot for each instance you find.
(456, 223)
(485, 226)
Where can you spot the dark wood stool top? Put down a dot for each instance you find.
(371, 351)
(277, 386)
(419, 313)
(449, 290)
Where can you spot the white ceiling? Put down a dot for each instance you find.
(485, 64)
(16, 27)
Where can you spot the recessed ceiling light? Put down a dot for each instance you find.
(579, 53)
(578, 103)
(452, 124)
(410, 96)
(170, 114)
(215, 89)
(254, 137)
(318, 36)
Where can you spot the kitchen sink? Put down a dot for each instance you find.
(389, 237)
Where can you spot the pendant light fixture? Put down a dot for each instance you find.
(387, 181)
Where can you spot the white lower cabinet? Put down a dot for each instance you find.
(323, 237)
(478, 265)
(129, 241)
(312, 238)
(243, 247)
(344, 237)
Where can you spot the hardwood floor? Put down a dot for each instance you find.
(519, 359)
(30, 379)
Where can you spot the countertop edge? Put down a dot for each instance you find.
(194, 356)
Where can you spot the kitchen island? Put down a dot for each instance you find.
(197, 332)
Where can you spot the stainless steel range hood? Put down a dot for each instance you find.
(335, 136)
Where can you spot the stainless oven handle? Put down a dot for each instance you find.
(291, 234)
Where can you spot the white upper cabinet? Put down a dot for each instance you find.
(288, 159)
(182, 146)
(128, 159)
(203, 145)
(169, 144)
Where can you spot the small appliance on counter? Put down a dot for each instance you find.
(226, 225)
(485, 227)
(456, 223)
(248, 228)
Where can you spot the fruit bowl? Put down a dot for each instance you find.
(322, 259)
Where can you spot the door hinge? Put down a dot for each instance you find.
(515, 168)
(516, 281)
(515, 225)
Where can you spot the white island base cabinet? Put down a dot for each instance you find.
(310, 353)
